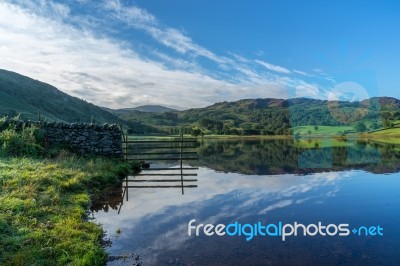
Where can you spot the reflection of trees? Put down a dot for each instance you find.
(282, 156)
(108, 198)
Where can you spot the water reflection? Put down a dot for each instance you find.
(153, 223)
(269, 157)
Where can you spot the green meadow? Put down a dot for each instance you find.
(387, 136)
(390, 132)
(321, 130)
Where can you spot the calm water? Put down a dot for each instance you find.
(267, 181)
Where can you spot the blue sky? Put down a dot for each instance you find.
(187, 54)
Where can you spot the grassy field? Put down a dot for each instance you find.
(387, 132)
(322, 130)
(387, 136)
(43, 209)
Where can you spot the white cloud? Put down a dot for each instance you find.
(110, 73)
(301, 73)
(170, 37)
(132, 14)
(272, 67)
(240, 58)
(45, 7)
(307, 90)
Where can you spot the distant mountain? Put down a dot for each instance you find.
(149, 109)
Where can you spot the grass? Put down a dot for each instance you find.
(322, 130)
(43, 209)
(387, 136)
(387, 132)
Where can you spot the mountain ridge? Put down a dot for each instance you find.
(150, 108)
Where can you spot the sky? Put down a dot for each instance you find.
(187, 54)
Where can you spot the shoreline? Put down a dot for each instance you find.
(364, 136)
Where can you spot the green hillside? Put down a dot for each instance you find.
(275, 117)
(29, 97)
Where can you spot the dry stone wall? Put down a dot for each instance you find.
(83, 138)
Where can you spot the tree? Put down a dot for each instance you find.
(218, 126)
(315, 128)
(196, 132)
(360, 127)
(386, 123)
(374, 126)
(280, 131)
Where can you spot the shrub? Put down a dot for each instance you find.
(360, 127)
(24, 143)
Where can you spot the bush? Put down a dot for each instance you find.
(360, 127)
(196, 132)
(27, 142)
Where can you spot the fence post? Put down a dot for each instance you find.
(126, 145)
(181, 151)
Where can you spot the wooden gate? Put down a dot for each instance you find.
(151, 153)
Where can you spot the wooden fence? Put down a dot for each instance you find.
(155, 155)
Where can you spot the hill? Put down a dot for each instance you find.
(31, 98)
(273, 116)
(148, 109)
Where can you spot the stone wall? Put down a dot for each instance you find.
(83, 138)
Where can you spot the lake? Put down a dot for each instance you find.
(344, 184)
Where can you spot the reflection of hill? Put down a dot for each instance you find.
(260, 157)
